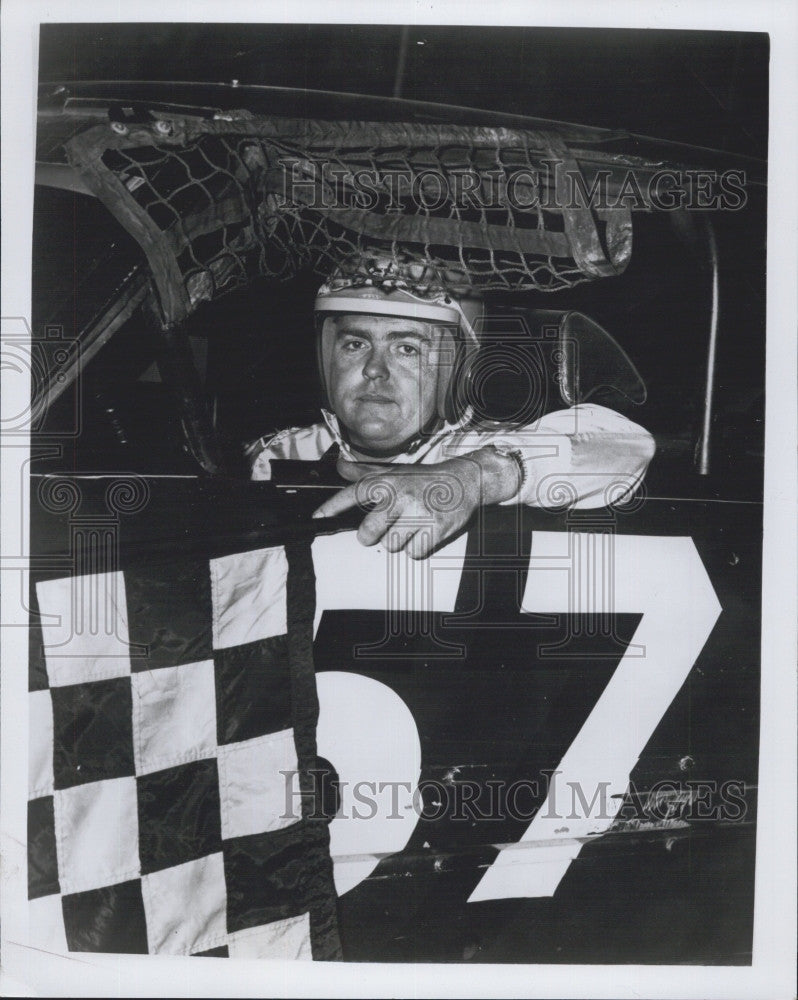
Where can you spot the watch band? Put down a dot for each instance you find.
(511, 452)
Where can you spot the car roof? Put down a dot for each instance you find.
(90, 99)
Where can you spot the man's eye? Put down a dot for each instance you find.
(408, 350)
(351, 346)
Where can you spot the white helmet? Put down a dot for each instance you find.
(388, 288)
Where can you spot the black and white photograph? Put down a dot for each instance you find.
(393, 583)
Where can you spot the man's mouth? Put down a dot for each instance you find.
(373, 397)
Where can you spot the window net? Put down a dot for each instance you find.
(216, 203)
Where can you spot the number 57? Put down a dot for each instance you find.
(661, 578)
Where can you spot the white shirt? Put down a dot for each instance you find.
(586, 456)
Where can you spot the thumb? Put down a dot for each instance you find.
(354, 471)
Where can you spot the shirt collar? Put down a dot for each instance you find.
(334, 428)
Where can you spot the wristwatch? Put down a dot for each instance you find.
(509, 451)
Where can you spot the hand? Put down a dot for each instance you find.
(418, 507)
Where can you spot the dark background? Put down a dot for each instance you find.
(703, 88)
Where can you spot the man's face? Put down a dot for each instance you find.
(383, 379)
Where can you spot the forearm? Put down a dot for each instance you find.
(587, 456)
(586, 474)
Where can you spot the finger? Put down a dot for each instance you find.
(374, 526)
(421, 544)
(344, 500)
(397, 536)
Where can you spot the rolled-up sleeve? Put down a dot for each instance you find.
(584, 457)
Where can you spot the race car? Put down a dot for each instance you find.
(538, 745)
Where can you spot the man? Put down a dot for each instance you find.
(392, 355)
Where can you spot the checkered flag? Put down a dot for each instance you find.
(172, 719)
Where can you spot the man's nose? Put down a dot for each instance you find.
(376, 366)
